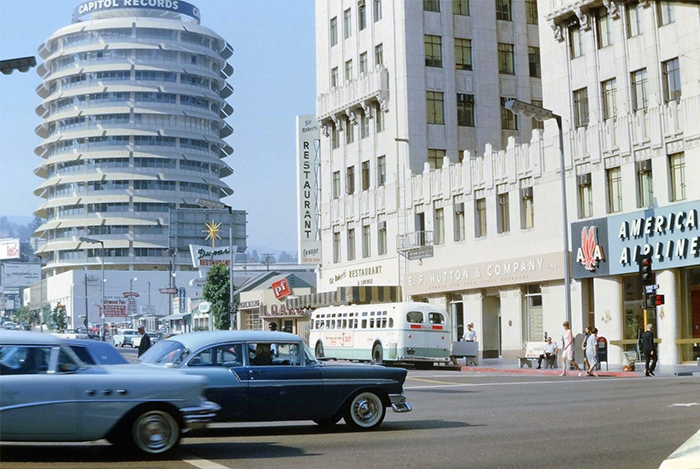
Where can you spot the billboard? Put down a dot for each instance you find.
(308, 139)
(9, 248)
(20, 275)
(115, 307)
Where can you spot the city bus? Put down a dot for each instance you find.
(409, 332)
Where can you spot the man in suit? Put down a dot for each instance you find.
(145, 341)
(649, 350)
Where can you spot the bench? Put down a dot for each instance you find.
(467, 350)
(533, 350)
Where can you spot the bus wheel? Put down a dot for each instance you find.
(377, 354)
(319, 350)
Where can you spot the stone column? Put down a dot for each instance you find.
(473, 309)
(667, 323)
(608, 314)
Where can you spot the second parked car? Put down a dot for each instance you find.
(124, 337)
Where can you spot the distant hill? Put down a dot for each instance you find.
(21, 227)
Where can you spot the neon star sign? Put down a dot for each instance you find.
(212, 230)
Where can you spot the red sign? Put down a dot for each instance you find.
(115, 307)
(590, 253)
(281, 289)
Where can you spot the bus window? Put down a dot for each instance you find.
(384, 313)
(364, 324)
(436, 318)
(364, 313)
(354, 325)
(321, 325)
(391, 323)
(414, 317)
(371, 323)
(345, 323)
(383, 323)
(372, 313)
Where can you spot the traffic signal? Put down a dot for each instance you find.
(651, 300)
(646, 276)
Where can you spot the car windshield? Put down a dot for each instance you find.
(167, 352)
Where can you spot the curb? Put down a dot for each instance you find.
(685, 457)
(551, 372)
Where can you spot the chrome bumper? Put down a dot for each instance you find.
(399, 403)
(198, 417)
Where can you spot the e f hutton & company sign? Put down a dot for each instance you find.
(487, 274)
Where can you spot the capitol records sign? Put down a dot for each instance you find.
(308, 140)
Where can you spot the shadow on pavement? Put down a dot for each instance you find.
(243, 450)
(77, 452)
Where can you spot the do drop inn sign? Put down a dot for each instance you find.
(612, 245)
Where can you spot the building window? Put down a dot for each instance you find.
(349, 132)
(365, 175)
(350, 180)
(433, 51)
(460, 7)
(639, 89)
(363, 63)
(435, 106)
(504, 10)
(379, 54)
(381, 241)
(335, 137)
(480, 224)
(503, 225)
(614, 177)
(509, 121)
(348, 70)
(665, 12)
(535, 123)
(527, 202)
(581, 107)
(677, 168)
(336, 184)
(351, 244)
(336, 248)
(366, 241)
(377, 10)
(381, 171)
(463, 54)
(585, 196)
(645, 184)
(575, 41)
(347, 24)
(435, 158)
(361, 17)
(533, 54)
(635, 18)
(379, 118)
(604, 26)
(609, 91)
(334, 31)
(334, 77)
(459, 230)
(364, 126)
(465, 110)
(672, 80)
(439, 226)
(431, 5)
(506, 59)
(531, 12)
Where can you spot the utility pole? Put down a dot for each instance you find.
(86, 301)
(267, 256)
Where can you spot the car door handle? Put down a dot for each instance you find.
(121, 391)
(90, 392)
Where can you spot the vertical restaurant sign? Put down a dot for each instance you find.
(308, 136)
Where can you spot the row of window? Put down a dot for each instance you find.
(634, 17)
(466, 116)
(120, 141)
(366, 242)
(644, 186)
(85, 79)
(109, 35)
(123, 163)
(361, 20)
(140, 120)
(671, 82)
(106, 230)
(463, 56)
(108, 207)
(123, 98)
(363, 62)
(146, 56)
(380, 172)
(108, 252)
(72, 189)
(504, 9)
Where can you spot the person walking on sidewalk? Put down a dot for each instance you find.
(567, 353)
(592, 351)
(583, 346)
(649, 350)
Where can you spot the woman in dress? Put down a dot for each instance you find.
(567, 354)
(592, 351)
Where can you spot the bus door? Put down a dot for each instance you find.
(416, 340)
(438, 335)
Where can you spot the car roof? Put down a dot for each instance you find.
(27, 338)
(195, 340)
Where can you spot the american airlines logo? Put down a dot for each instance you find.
(590, 253)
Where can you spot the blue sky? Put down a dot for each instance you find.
(274, 80)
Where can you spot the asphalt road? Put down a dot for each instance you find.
(459, 420)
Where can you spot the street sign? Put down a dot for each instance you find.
(168, 291)
(651, 288)
(204, 307)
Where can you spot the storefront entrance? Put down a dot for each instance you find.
(491, 322)
(690, 352)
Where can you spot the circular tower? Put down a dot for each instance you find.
(133, 125)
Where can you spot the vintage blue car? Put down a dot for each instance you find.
(273, 376)
(48, 394)
(92, 352)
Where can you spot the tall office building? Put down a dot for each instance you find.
(133, 128)
(406, 86)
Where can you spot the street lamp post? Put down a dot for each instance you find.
(542, 114)
(102, 293)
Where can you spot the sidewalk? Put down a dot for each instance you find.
(498, 365)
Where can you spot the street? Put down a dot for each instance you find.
(458, 420)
